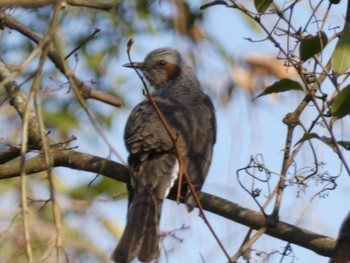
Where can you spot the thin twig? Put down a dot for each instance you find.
(247, 245)
(24, 135)
(82, 43)
(48, 160)
(90, 4)
(25, 3)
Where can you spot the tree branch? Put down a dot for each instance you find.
(26, 3)
(87, 92)
(70, 159)
(41, 3)
(91, 4)
(19, 102)
(320, 244)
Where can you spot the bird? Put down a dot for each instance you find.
(153, 162)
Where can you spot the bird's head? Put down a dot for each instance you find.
(160, 66)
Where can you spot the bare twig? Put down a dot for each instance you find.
(247, 245)
(46, 150)
(83, 43)
(41, 3)
(91, 4)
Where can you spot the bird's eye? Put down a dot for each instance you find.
(162, 63)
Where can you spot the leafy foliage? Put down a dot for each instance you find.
(341, 55)
(312, 45)
(262, 5)
(341, 103)
(281, 86)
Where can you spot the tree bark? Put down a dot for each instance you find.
(320, 244)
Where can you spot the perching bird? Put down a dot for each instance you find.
(154, 167)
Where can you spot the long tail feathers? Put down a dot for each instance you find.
(140, 237)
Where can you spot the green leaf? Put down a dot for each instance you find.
(324, 139)
(312, 45)
(281, 86)
(218, 2)
(341, 56)
(341, 104)
(308, 136)
(345, 144)
(262, 5)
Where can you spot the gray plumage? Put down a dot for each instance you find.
(190, 115)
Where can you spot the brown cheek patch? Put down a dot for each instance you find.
(172, 71)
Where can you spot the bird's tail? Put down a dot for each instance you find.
(140, 237)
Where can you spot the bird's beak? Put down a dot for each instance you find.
(137, 65)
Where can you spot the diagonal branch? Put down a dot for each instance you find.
(41, 3)
(87, 92)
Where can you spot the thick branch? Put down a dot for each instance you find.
(341, 252)
(320, 244)
(91, 4)
(19, 102)
(41, 3)
(70, 159)
(25, 3)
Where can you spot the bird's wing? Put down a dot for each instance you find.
(203, 140)
(193, 124)
(152, 156)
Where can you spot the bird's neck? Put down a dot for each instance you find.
(180, 84)
(186, 79)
